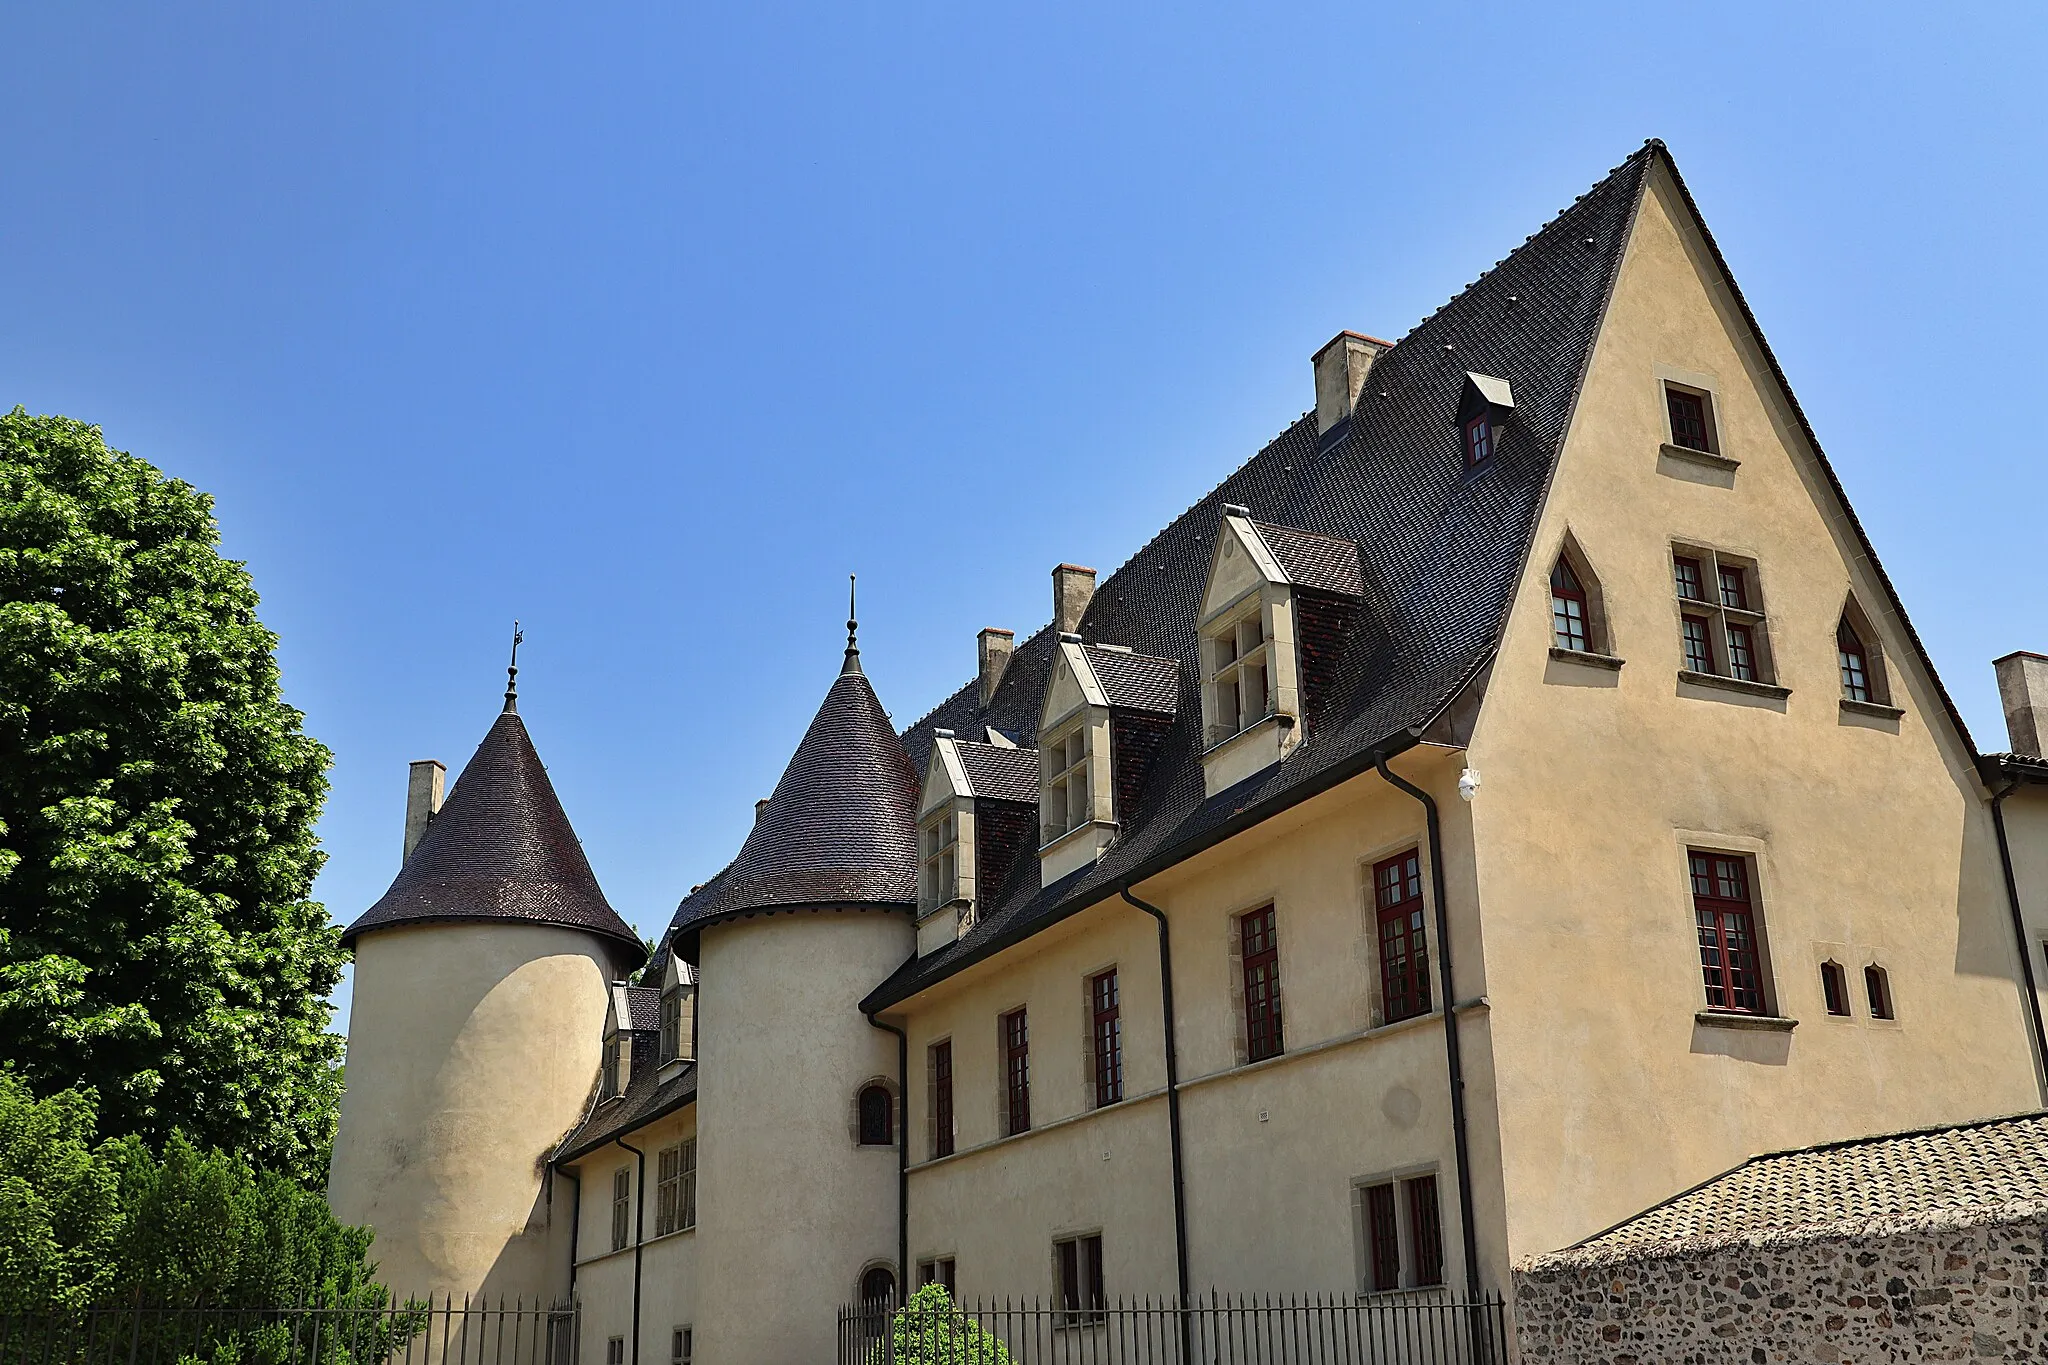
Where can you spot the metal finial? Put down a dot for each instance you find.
(512, 672)
(852, 664)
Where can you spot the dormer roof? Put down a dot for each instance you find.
(501, 848)
(998, 773)
(1319, 563)
(840, 827)
(1135, 682)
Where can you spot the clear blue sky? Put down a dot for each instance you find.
(646, 323)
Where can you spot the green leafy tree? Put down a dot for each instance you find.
(930, 1331)
(157, 802)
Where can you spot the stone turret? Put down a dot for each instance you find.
(480, 992)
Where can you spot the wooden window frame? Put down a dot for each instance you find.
(1013, 1033)
(1678, 395)
(938, 868)
(1400, 917)
(1877, 991)
(1728, 930)
(1078, 1280)
(1383, 1235)
(1106, 1036)
(1479, 440)
(874, 1127)
(1400, 1232)
(1854, 659)
(668, 1189)
(1259, 952)
(608, 1087)
(939, 1270)
(1240, 672)
(1425, 1231)
(1834, 989)
(671, 1046)
(1696, 639)
(622, 1208)
(1571, 613)
(682, 1345)
(941, 1054)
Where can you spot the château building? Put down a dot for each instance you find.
(1514, 796)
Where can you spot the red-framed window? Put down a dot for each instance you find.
(1426, 1231)
(1016, 1030)
(1106, 1028)
(1877, 984)
(1726, 918)
(1383, 1232)
(942, 1098)
(1699, 649)
(1734, 588)
(1741, 653)
(1854, 661)
(1261, 947)
(1478, 441)
(1688, 419)
(1568, 608)
(1685, 574)
(1404, 943)
(1834, 988)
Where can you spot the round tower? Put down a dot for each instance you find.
(794, 1210)
(476, 1027)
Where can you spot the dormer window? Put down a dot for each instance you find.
(671, 1025)
(1278, 604)
(610, 1082)
(1484, 405)
(1238, 686)
(677, 1011)
(1066, 793)
(939, 876)
(1478, 441)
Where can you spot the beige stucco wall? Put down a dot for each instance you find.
(1272, 1150)
(604, 1277)
(2026, 832)
(1870, 839)
(472, 1049)
(796, 1208)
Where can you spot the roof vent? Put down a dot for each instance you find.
(1073, 588)
(1341, 367)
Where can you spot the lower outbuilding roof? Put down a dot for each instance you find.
(1989, 1171)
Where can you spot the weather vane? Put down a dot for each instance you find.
(852, 630)
(512, 672)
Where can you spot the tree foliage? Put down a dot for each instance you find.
(928, 1330)
(85, 1224)
(157, 802)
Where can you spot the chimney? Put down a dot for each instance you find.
(993, 648)
(422, 800)
(1073, 587)
(2023, 688)
(1341, 367)
(760, 806)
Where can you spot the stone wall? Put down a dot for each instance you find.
(1968, 1293)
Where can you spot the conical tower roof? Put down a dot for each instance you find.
(501, 849)
(840, 828)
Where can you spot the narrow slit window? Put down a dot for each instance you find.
(1016, 1039)
(671, 1025)
(942, 1098)
(1568, 608)
(1403, 940)
(1261, 948)
(1855, 663)
(1106, 1023)
(1729, 961)
(1877, 984)
(940, 881)
(1834, 988)
(686, 1199)
(622, 1207)
(668, 1190)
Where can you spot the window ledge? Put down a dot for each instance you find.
(1079, 829)
(1586, 657)
(1727, 684)
(957, 903)
(1706, 459)
(1765, 1023)
(1272, 720)
(1875, 709)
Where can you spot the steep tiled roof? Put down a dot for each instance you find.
(501, 849)
(1138, 682)
(1391, 483)
(1989, 1171)
(647, 1098)
(644, 1005)
(839, 828)
(1000, 774)
(1324, 563)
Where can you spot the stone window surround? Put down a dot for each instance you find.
(1370, 1008)
(1753, 617)
(1756, 853)
(1246, 607)
(1088, 977)
(1707, 388)
(895, 1115)
(1398, 1177)
(1233, 926)
(1600, 651)
(1853, 959)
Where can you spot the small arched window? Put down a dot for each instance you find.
(878, 1285)
(1877, 984)
(1834, 988)
(1568, 608)
(877, 1109)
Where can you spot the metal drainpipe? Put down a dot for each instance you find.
(1452, 1055)
(902, 1158)
(575, 1225)
(639, 1242)
(2037, 1038)
(1180, 1210)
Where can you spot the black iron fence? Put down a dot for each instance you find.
(1219, 1329)
(417, 1332)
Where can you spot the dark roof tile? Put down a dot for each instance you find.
(1321, 563)
(1137, 682)
(1000, 774)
